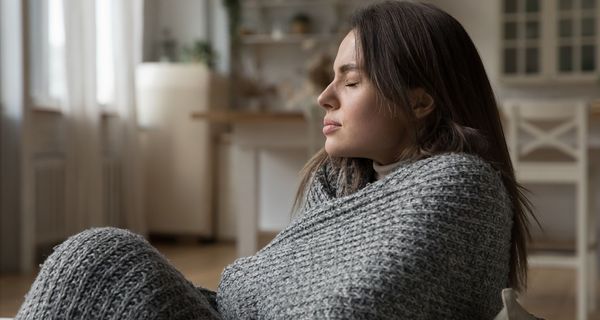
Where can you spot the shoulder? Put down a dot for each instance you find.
(458, 175)
(457, 185)
(454, 165)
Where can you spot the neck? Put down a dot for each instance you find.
(381, 170)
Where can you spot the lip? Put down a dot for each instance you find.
(327, 122)
(330, 128)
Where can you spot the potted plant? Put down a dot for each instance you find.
(300, 23)
(200, 52)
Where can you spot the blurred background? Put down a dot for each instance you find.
(188, 121)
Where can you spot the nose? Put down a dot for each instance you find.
(328, 98)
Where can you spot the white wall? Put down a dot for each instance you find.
(185, 19)
(219, 34)
(481, 19)
(278, 185)
(188, 21)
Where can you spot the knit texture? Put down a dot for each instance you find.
(109, 273)
(430, 240)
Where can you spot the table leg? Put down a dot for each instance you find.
(245, 162)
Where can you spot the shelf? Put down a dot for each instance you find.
(50, 110)
(544, 80)
(248, 117)
(257, 39)
(255, 4)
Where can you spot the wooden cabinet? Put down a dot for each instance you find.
(550, 40)
(178, 152)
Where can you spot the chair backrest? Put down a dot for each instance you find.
(567, 133)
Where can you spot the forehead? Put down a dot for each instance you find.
(347, 51)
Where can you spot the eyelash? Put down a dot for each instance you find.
(352, 84)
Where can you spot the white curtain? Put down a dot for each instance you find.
(84, 145)
(83, 115)
(127, 35)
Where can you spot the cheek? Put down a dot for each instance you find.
(394, 127)
(365, 124)
(370, 120)
(375, 127)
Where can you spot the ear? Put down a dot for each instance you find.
(422, 102)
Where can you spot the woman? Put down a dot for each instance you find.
(411, 210)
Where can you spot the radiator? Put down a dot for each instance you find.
(51, 223)
(49, 199)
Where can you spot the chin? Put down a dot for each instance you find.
(332, 151)
(337, 151)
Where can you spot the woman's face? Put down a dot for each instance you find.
(354, 125)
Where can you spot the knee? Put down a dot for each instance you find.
(88, 265)
(97, 243)
(102, 235)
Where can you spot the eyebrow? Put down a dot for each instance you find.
(348, 67)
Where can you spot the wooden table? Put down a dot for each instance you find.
(255, 134)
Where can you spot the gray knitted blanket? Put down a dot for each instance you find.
(428, 241)
(431, 240)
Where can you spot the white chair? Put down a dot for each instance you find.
(527, 116)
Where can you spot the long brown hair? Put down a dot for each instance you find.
(405, 45)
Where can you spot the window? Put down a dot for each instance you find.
(47, 50)
(105, 62)
(521, 37)
(577, 40)
(551, 39)
(48, 39)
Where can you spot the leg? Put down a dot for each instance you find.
(582, 249)
(593, 270)
(110, 273)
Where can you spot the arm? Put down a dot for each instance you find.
(451, 243)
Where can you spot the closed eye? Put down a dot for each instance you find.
(351, 84)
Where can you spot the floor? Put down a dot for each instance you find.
(551, 291)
